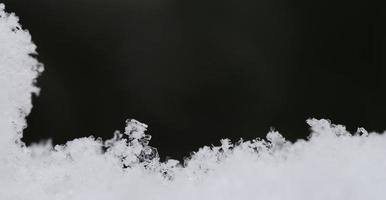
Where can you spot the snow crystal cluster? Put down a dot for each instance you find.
(330, 164)
(18, 70)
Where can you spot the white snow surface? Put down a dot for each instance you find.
(331, 164)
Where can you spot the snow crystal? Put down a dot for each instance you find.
(330, 164)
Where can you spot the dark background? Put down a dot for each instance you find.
(198, 71)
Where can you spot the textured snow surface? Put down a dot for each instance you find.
(18, 71)
(331, 164)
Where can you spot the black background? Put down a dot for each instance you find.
(198, 71)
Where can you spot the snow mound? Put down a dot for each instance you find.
(331, 164)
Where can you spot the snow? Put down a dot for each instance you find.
(331, 164)
(18, 71)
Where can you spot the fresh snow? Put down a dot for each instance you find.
(331, 164)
